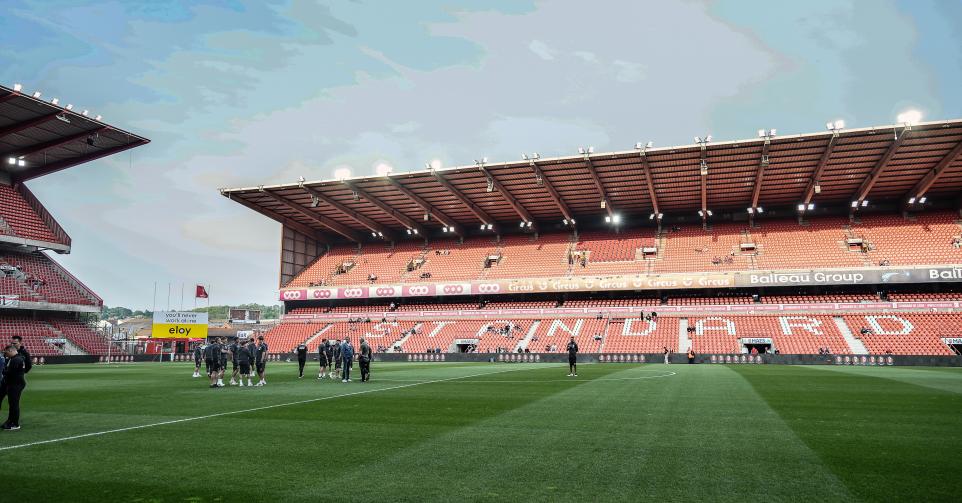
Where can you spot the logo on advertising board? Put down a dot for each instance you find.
(179, 325)
(293, 294)
(322, 294)
(417, 290)
(383, 291)
(352, 293)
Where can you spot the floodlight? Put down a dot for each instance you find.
(909, 117)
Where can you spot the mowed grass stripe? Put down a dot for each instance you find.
(293, 445)
(887, 439)
(702, 434)
(65, 400)
(944, 379)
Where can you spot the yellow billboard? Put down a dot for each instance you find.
(179, 325)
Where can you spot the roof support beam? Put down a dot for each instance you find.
(478, 212)
(353, 215)
(287, 222)
(9, 96)
(555, 196)
(879, 168)
(330, 224)
(20, 126)
(650, 183)
(46, 169)
(34, 149)
(426, 207)
(760, 174)
(932, 176)
(605, 203)
(819, 169)
(703, 176)
(391, 212)
(518, 208)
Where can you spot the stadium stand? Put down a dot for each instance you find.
(633, 335)
(80, 334)
(524, 256)
(928, 239)
(804, 334)
(905, 333)
(448, 260)
(286, 336)
(41, 279)
(18, 218)
(35, 334)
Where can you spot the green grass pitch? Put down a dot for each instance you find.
(490, 432)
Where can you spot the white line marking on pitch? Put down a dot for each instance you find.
(255, 409)
(554, 380)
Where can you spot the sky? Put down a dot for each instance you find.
(235, 93)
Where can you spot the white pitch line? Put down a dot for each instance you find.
(554, 380)
(255, 409)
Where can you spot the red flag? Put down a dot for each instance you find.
(201, 292)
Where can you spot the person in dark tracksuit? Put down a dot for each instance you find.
(17, 342)
(365, 360)
(347, 359)
(232, 350)
(198, 356)
(572, 358)
(13, 384)
(244, 359)
(301, 359)
(323, 358)
(336, 348)
(261, 360)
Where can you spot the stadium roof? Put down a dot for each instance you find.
(42, 137)
(838, 167)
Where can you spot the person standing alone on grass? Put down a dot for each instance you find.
(691, 356)
(572, 358)
(198, 356)
(13, 384)
(365, 361)
(667, 362)
(347, 357)
(301, 359)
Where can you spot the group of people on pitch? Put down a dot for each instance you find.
(336, 359)
(14, 365)
(246, 357)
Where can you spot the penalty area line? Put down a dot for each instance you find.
(244, 411)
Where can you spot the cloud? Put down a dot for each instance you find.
(541, 50)
(263, 94)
